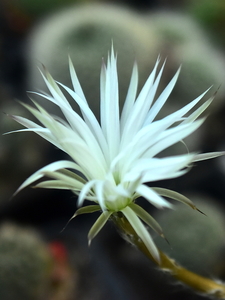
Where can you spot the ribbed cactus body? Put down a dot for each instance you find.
(197, 241)
(184, 42)
(24, 264)
(86, 34)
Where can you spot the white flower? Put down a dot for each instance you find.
(118, 155)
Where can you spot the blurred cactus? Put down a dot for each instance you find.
(37, 8)
(86, 34)
(25, 264)
(30, 269)
(197, 241)
(19, 155)
(184, 42)
(210, 14)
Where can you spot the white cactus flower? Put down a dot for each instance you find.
(113, 159)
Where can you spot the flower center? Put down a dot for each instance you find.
(117, 203)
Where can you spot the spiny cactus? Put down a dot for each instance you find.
(211, 15)
(184, 42)
(36, 8)
(197, 241)
(25, 264)
(86, 34)
(28, 156)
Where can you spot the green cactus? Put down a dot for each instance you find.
(36, 8)
(197, 241)
(25, 264)
(28, 156)
(210, 14)
(183, 40)
(86, 33)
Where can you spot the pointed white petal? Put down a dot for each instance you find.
(130, 98)
(90, 119)
(79, 126)
(153, 169)
(102, 96)
(177, 115)
(162, 99)
(141, 106)
(85, 191)
(76, 84)
(74, 183)
(58, 184)
(172, 136)
(99, 191)
(197, 112)
(152, 197)
(49, 168)
(32, 126)
(204, 156)
(110, 106)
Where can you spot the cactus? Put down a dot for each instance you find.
(182, 40)
(37, 8)
(25, 264)
(197, 241)
(28, 156)
(86, 34)
(211, 15)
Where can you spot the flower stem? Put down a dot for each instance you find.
(199, 283)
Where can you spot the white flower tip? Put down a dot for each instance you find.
(89, 241)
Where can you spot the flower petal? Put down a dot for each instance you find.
(152, 196)
(130, 98)
(204, 156)
(172, 136)
(141, 106)
(162, 99)
(49, 168)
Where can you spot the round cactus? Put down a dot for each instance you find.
(197, 241)
(28, 156)
(25, 264)
(211, 15)
(182, 40)
(86, 34)
(37, 8)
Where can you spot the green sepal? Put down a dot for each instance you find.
(175, 196)
(99, 223)
(147, 218)
(86, 210)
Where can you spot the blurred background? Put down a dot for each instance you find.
(39, 260)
